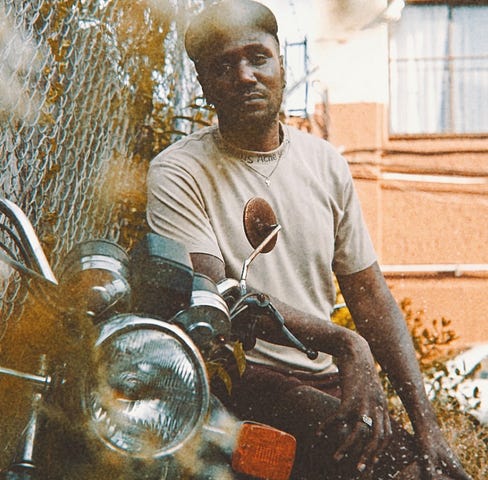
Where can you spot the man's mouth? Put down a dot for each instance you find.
(252, 98)
(253, 95)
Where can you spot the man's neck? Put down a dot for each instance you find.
(258, 140)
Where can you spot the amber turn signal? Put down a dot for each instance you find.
(264, 452)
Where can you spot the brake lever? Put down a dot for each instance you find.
(311, 353)
(261, 301)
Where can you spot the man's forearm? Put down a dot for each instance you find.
(313, 332)
(400, 364)
(380, 321)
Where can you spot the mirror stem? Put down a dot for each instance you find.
(254, 254)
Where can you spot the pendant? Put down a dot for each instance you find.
(267, 181)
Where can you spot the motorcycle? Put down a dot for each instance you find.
(129, 397)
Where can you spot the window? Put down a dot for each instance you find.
(439, 69)
(296, 65)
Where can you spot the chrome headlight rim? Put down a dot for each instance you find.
(122, 324)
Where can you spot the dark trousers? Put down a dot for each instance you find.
(305, 408)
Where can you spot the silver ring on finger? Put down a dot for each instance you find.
(367, 420)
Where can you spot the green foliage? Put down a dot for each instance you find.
(433, 343)
(216, 364)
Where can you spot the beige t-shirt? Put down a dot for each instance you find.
(197, 189)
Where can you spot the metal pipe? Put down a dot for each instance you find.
(254, 254)
(456, 268)
(28, 238)
(27, 453)
(41, 380)
(24, 464)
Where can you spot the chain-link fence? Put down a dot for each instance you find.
(88, 92)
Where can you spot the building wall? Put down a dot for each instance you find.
(426, 203)
(425, 199)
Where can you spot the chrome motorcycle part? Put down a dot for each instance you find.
(207, 319)
(21, 260)
(149, 394)
(39, 380)
(161, 276)
(229, 288)
(94, 277)
(254, 254)
(24, 464)
(29, 243)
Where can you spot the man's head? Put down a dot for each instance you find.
(207, 30)
(235, 48)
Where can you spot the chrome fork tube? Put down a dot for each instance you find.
(24, 464)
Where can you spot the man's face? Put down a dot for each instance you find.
(243, 78)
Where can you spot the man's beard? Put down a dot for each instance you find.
(250, 121)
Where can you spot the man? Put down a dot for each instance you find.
(197, 189)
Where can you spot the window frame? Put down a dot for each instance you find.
(429, 135)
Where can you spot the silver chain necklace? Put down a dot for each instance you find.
(267, 178)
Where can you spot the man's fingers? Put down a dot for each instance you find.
(453, 469)
(365, 437)
(447, 470)
(379, 439)
(351, 441)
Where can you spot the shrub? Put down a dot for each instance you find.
(434, 343)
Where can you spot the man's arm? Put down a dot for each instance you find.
(314, 332)
(361, 388)
(379, 319)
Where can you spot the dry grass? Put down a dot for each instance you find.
(435, 342)
(468, 438)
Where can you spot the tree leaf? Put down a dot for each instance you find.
(240, 357)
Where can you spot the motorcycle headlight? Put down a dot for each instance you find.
(150, 392)
(94, 279)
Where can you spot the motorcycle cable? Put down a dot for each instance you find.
(261, 301)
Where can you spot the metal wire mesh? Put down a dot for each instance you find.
(69, 142)
(13, 288)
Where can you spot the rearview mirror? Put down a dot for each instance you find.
(261, 228)
(259, 221)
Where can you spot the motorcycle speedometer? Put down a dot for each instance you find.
(149, 392)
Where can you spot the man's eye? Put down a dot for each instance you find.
(259, 59)
(224, 68)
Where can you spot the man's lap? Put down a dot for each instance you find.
(305, 407)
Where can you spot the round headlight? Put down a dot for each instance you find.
(149, 394)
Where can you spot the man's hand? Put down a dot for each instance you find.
(438, 461)
(363, 411)
(380, 321)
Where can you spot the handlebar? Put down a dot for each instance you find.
(28, 240)
(231, 291)
(263, 302)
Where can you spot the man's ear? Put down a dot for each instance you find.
(283, 72)
(205, 90)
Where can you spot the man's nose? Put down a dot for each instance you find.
(245, 72)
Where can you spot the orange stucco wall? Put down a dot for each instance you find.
(440, 216)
